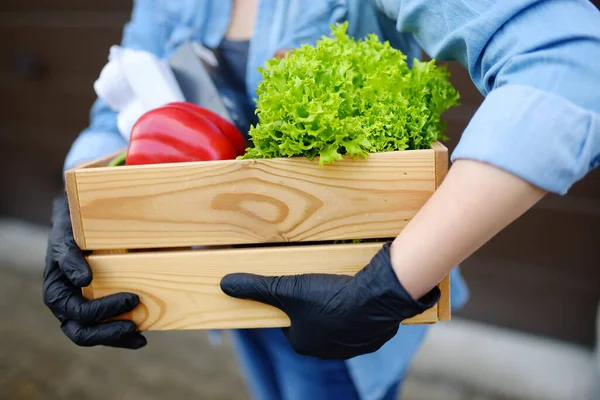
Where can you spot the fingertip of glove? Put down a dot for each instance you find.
(240, 285)
(76, 269)
(133, 341)
(124, 327)
(230, 284)
(132, 299)
(138, 342)
(81, 280)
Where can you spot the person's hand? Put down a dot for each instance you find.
(336, 316)
(66, 272)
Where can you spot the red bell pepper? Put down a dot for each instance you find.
(179, 133)
(230, 130)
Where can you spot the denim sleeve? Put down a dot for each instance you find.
(146, 30)
(537, 62)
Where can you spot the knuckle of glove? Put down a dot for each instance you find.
(49, 300)
(60, 308)
(69, 239)
(54, 298)
(75, 333)
(85, 315)
(61, 301)
(62, 258)
(80, 338)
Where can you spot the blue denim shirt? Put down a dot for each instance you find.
(537, 63)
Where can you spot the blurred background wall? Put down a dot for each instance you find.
(541, 275)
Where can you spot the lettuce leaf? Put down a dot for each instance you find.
(347, 96)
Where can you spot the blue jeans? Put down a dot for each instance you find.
(273, 371)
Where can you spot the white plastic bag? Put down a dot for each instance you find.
(134, 82)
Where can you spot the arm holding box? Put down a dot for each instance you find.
(538, 131)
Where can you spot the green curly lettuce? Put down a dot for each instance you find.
(347, 96)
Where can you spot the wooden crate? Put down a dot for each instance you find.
(170, 232)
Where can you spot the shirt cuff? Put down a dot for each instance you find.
(538, 136)
(91, 145)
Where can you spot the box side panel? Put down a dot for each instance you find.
(180, 289)
(253, 201)
(74, 208)
(443, 309)
(73, 195)
(441, 162)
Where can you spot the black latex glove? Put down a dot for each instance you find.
(65, 273)
(336, 316)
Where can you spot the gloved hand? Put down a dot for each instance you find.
(336, 316)
(65, 273)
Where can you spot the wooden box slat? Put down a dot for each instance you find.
(250, 201)
(180, 289)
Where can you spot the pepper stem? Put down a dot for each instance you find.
(118, 160)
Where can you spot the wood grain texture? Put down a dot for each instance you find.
(180, 289)
(441, 162)
(443, 310)
(441, 170)
(73, 200)
(88, 292)
(73, 195)
(252, 201)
